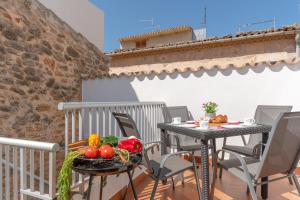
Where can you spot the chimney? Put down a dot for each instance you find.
(297, 45)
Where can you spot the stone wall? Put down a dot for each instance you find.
(42, 63)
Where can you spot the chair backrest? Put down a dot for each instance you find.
(176, 111)
(127, 125)
(266, 114)
(282, 151)
(129, 128)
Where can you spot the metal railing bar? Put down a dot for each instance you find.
(79, 105)
(29, 144)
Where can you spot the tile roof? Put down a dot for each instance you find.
(158, 33)
(253, 61)
(211, 40)
(266, 55)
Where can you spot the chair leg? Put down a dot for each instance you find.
(164, 182)
(196, 176)
(173, 184)
(154, 189)
(128, 184)
(248, 191)
(296, 182)
(132, 185)
(182, 178)
(252, 190)
(290, 180)
(90, 187)
(220, 172)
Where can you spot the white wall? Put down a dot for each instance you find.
(82, 16)
(237, 92)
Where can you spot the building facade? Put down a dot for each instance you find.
(82, 16)
(162, 37)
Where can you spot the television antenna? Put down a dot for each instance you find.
(273, 21)
(152, 26)
(203, 21)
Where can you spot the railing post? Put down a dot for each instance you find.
(52, 174)
(7, 173)
(66, 131)
(1, 172)
(42, 172)
(31, 169)
(15, 173)
(23, 175)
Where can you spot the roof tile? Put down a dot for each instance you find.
(241, 35)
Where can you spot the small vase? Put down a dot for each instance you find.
(210, 115)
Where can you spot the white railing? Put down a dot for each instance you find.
(16, 183)
(84, 118)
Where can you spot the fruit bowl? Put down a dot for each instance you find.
(92, 163)
(95, 165)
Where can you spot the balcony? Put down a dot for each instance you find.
(44, 61)
(29, 168)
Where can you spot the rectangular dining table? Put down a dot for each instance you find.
(212, 134)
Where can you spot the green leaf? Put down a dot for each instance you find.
(64, 178)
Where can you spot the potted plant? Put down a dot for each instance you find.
(210, 109)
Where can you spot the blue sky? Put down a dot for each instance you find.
(122, 17)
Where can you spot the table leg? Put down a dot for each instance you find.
(163, 139)
(132, 186)
(205, 169)
(264, 187)
(214, 150)
(90, 187)
(101, 187)
(124, 196)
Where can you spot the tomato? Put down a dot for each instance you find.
(103, 147)
(91, 152)
(106, 151)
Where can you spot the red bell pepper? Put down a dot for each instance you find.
(132, 145)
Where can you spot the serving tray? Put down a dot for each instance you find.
(85, 165)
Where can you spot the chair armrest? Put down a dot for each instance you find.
(145, 154)
(170, 155)
(151, 146)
